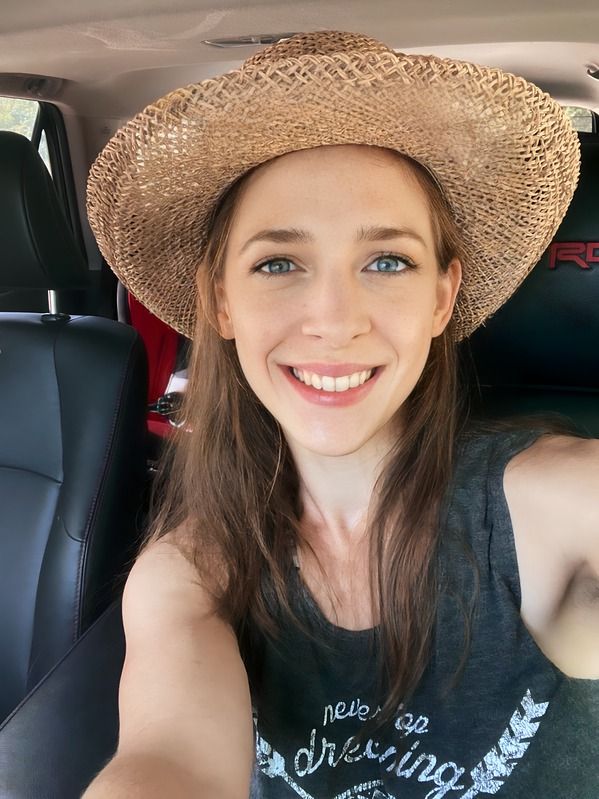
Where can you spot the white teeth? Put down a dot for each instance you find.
(328, 383)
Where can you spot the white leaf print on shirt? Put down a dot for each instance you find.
(490, 774)
(272, 764)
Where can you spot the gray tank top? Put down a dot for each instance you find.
(514, 726)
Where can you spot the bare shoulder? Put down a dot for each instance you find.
(553, 452)
(552, 491)
(163, 577)
(554, 487)
(172, 560)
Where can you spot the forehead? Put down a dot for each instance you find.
(333, 183)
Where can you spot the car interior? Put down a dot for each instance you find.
(92, 380)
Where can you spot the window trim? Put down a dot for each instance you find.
(49, 120)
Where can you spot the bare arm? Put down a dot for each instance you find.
(184, 703)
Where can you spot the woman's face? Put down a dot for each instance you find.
(332, 292)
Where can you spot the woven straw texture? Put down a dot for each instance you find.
(503, 151)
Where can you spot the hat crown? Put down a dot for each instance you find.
(316, 43)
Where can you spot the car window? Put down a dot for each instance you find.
(582, 119)
(20, 117)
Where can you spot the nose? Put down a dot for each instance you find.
(336, 309)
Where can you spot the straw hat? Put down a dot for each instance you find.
(504, 153)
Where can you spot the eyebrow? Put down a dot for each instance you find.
(295, 236)
(279, 236)
(376, 233)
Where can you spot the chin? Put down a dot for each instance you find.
(333, 449)
(340, 444)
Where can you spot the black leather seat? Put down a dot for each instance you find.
(66, 730)
(30, 239)
(72, 439)
(540, 352)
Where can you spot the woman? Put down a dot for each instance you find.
(334, 549)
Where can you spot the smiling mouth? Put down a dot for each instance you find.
(333, 384)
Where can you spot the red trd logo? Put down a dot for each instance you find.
(581, 253)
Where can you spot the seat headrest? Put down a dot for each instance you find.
(547, 334)
(37, 245)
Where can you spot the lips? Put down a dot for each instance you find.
(326, 382)
(332, 390)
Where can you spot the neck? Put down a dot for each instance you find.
(336, 493)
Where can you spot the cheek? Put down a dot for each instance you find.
(253, 308)
(259, 328)
(409, 320)
(261, 312)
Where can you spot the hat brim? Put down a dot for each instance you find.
(504, 152)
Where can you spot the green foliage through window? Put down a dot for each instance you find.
(18, 115)
(581, 118)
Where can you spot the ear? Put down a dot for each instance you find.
(225, 324)
(218, 316)
(448, 285)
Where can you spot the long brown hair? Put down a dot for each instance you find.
(228, 480)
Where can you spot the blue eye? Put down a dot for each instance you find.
(390, 264)
(278, 266)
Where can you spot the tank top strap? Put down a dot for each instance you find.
(476, 509)
(502, 547)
